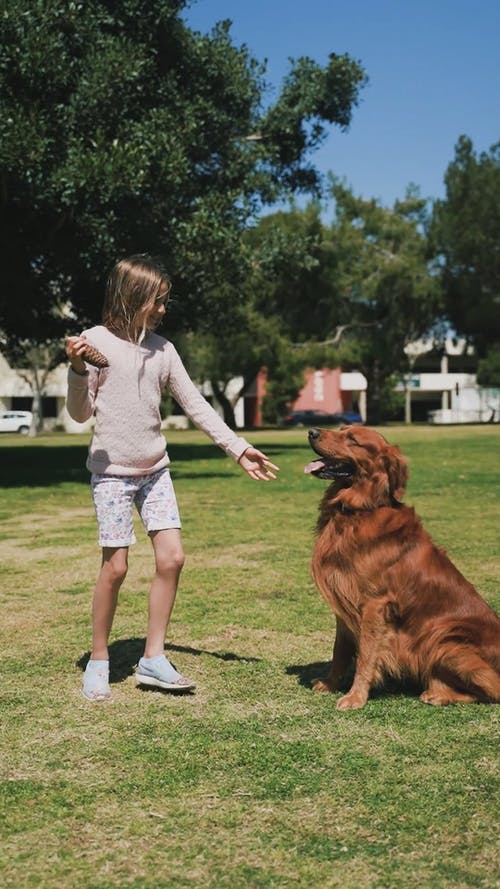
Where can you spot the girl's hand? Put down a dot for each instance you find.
(75, 345)
(257, 465)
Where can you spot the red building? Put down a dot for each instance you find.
(328, 390)
(333, 391)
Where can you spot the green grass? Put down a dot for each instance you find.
(255, 780)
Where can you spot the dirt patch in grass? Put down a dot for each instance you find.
(239, 556)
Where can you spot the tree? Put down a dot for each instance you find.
(145, 136)
(287, 296)
(341, 291)
(257, 343)
(35, 361)
(352, 294)
(488, 371)
(389, 296)
(293, 275)
(464, 235)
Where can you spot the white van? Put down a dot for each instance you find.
(16, 421)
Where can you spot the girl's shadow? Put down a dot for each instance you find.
(124, 654)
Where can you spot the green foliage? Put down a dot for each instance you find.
(330, 296)
(294, 275)
(289, 299)
(465, 241)
(284, 382)
(257, 343)
(391, 401)
(352, 294)
(124, 131)
(488, 371)
(311, 97)
(389, 294)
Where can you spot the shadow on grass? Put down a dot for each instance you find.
(124, 655)
(37, 465)
(307, 673)
(40, 466)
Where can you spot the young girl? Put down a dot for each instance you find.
(129, 461)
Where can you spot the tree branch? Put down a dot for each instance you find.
(339, 332)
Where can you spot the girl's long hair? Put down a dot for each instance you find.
(132, 288)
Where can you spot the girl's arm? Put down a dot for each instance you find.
(82, 381)
(197, 408)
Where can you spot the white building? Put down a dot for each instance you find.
(442, 386)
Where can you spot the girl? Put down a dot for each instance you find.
(129, 461)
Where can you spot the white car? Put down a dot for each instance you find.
(15, 421)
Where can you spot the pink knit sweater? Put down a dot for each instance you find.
(125, 398)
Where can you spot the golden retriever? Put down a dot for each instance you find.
(402, 608)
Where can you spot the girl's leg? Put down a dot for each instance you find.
(154, 669)
(169, 559)
(111, 576)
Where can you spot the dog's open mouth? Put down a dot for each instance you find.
(330, 469)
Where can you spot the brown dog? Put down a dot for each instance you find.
(402, 608)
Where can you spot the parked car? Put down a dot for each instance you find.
(321, 418)
(16, 421)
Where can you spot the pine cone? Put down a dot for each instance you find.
(94, 357)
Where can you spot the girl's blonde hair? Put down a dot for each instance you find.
(132, 288)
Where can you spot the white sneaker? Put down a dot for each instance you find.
(96, 681)
(159, 672)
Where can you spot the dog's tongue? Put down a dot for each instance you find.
(314, 466)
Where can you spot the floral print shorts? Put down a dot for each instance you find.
(114, 497)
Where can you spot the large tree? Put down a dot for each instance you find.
(354, 294)
(465, 237)
(122, 130)
(388, 294)
(288, 297)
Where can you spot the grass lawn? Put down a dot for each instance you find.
(254, 780)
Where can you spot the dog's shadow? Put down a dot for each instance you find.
(124, 655)
(307, 673)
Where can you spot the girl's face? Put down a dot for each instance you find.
(155, 313)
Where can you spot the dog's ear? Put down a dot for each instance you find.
(396, 468)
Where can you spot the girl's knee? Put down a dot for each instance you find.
(115, 564)
(170, 562)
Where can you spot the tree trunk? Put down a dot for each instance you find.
(38, 359)
(374, 406)
(227, 407)
(36, 387)
(37, 409)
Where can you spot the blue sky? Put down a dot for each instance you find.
(434, 73)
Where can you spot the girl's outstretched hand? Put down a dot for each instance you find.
(257, 465)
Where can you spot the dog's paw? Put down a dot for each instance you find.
(443, 698)
(320, 685)
(437, 699)
(352, 701)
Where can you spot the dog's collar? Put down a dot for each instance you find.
(345, 510)
(341, 507)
